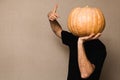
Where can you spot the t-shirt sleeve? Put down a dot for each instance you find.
(68, 38)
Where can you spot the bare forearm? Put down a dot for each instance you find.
(52, 16)
(85, 66)
(56, 27)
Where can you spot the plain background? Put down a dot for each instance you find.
(29, 50)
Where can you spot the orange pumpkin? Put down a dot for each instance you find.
(86, 20)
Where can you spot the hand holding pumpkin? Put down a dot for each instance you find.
(90, 37)
(52, 15)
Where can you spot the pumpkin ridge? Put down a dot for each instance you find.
(75, 22)
(102, 21)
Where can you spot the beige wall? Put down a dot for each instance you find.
(30, 51)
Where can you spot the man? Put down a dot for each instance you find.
(87, 54)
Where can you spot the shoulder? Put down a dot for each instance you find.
(96, 46)
(100, 44)
(67, 34)
(95, 43)
(68, 38)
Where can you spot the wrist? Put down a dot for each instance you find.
(80, 41)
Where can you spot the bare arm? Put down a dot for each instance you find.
(85, 66)
(56, 27)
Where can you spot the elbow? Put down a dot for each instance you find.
(84, 76)
(88, 73)
(58, 33)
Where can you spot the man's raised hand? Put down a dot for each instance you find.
(52, 15)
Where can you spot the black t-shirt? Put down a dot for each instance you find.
(95, 52)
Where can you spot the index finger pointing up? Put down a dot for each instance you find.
(55, 8)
